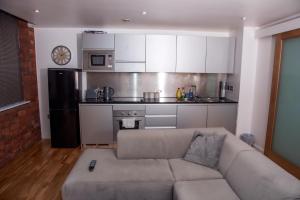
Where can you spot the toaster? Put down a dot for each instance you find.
(92, 93)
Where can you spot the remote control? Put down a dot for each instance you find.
(92, 165)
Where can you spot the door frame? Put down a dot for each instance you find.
(291, 168)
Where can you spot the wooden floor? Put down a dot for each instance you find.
(37, 173)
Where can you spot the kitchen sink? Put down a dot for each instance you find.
(207, 99)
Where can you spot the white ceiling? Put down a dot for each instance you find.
(179, 14)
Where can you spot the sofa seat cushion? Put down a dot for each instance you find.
(204, 190)
(185, 171)
(113, 179)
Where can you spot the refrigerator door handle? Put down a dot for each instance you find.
(76, 81)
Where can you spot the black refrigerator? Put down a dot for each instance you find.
(64, 97)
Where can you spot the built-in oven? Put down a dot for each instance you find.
(98, 60)
(138, 116)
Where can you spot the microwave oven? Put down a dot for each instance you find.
(98, 60)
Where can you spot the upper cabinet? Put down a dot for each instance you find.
(160, 53)
(98, 41)
(130, 52)
(129, 67)
(220, 54)
(130, 48)
(166, 53)
(191, 52)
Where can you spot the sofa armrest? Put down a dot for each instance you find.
(254, 176)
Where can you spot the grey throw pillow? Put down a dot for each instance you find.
(205, 149)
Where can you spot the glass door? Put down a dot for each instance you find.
(283, 136)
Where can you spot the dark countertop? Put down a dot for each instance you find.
(166, 100)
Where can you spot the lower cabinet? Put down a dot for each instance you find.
(96, 121)
(96, 124)
(222, 115)
(212, 115)
(191, 116)
(160, 116)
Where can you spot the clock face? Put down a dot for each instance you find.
(61, 55)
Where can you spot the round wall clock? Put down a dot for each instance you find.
(61, 55)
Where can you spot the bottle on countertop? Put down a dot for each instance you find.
(183, 93)
(190, 94)
(178, 93)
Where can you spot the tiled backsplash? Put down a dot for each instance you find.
(134, 84)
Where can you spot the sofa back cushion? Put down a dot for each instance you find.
(159, 143)
(254, 176)
(231, 148)
(173, 143)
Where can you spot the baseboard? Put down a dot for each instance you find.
(258, 148)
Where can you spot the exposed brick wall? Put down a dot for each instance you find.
(20, 126)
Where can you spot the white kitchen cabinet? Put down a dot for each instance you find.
(130, 48)
(160, 53)
(191, 116)
(96, 124)
(98, 41)
(220, 54)
(160, 116)
(191, 53)
(161, 109)
(130, 67)
(222, 115)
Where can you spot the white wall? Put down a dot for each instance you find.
(47, 38)
(45, 41)
(247, 81)
(276, 28)
(262, 91)
(265, 59)
(255, 87)
(234, 79)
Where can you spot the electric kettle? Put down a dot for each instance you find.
(222, 89)
(108, 92)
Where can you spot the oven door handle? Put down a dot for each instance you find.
(134, 120)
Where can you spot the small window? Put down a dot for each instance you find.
(10, 73)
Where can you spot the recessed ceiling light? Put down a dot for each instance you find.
(144, 12)
(126, 20)
(244, 18)
(36, 11)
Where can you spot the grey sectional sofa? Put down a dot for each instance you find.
(148, 165)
